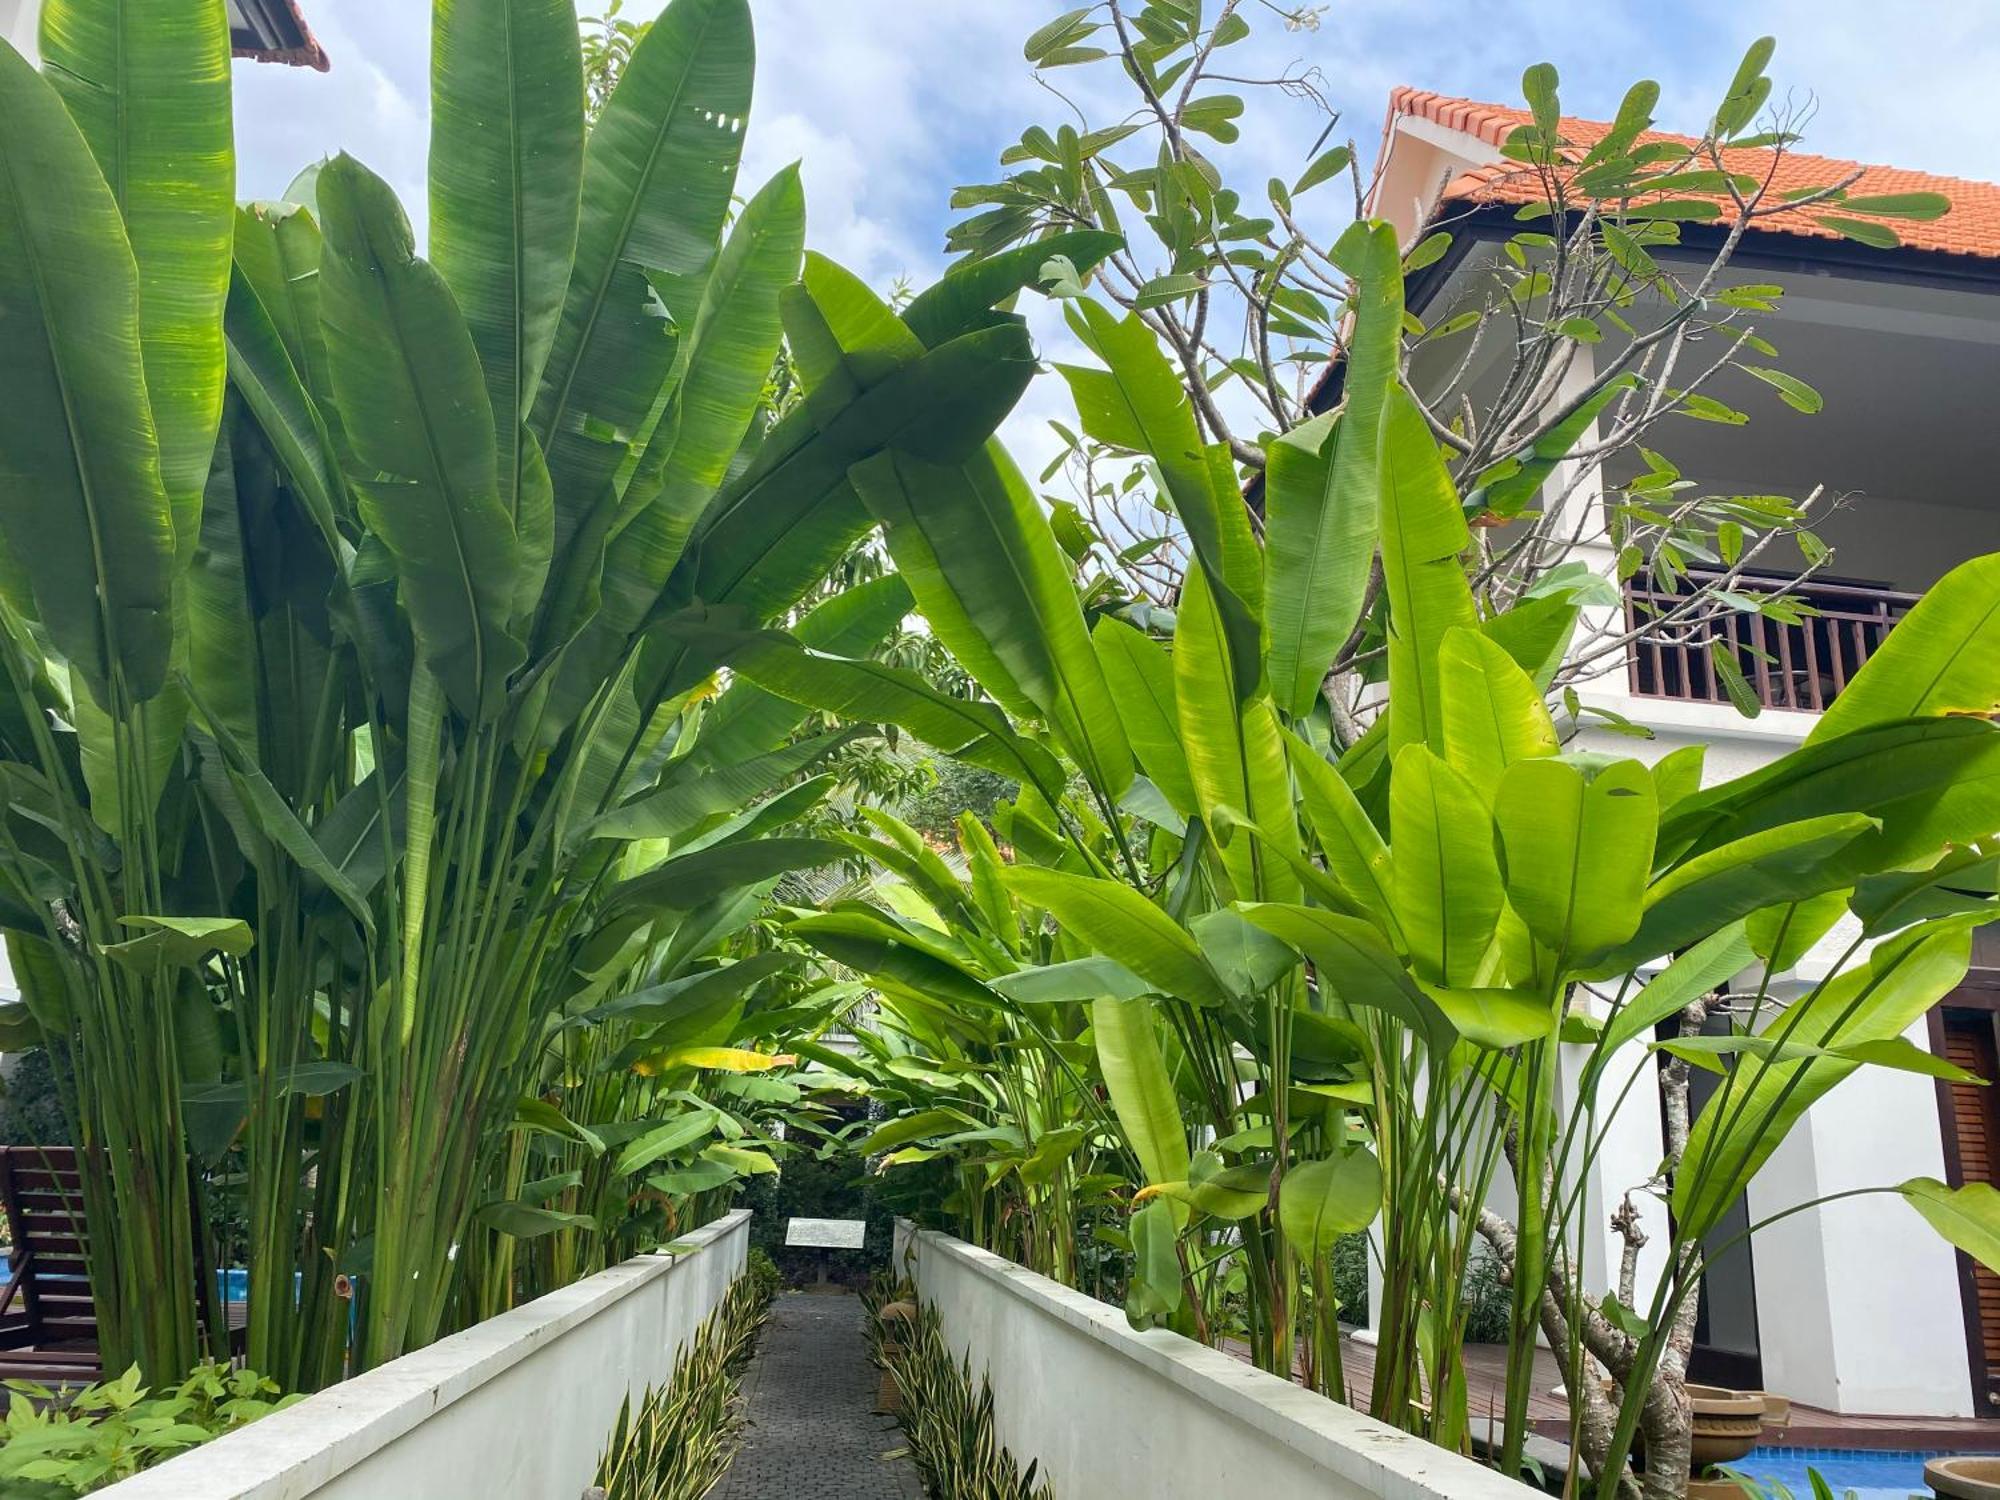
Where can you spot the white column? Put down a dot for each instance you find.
(1629, 1150)
(1857, 1302)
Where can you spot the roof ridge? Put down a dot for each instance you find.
(1972, 227)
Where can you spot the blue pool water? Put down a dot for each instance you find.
(1888, 1475)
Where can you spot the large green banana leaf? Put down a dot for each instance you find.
(872, 943)
(792, 514)
(1141, 1089)
(1493, 715)
(1447, 881)
(686, 798)
(1351, 845)
(80, 489)
(147, 82)
(221, 628)
(1423, 533)
(1942, 658)
(1113, 919)
(658, 172)
(1139, 405)
(725, 360)
(418, 420)
(964, 300)
(1928, 782)
(506, 174)
(1355, 968)
(1235, 758)
(263, 375)
(1577, 834)
(749, 720)
(1320, 484)
(872, 692)
(1792, 862)
(977, 551)
(1140, 675)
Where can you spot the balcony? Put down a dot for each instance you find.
(1717, 653)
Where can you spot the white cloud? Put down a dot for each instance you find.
(889, 104)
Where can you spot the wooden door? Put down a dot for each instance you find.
(1973, 1155)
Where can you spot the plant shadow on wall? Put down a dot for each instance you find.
(948, 1424)
(678, 1440)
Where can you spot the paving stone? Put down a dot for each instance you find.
(809, 1430)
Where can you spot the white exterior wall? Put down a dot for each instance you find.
(1106, 1411)
(519, 1406)
(17, 25)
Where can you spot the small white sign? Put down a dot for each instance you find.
(827, 1234)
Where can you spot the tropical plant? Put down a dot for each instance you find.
(950, 1428)
(1322, 989)
(360, 739)
(113, 1429)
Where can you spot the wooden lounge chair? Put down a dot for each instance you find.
(48, 1322)
(48, 1325)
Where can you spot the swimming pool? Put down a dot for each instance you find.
(1870, 1475)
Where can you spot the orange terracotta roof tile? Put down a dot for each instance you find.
(1972, 227)
(306, 52)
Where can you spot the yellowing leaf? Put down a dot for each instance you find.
(717, 1059)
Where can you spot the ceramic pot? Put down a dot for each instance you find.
(1727, 1424)
(1966, 1476)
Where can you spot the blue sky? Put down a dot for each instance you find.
(891, 103)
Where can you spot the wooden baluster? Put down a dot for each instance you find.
(1762, 659)
(1813, 694)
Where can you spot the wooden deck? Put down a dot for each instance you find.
(1811, 1426)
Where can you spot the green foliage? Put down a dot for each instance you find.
(822, 1180)
(31, 1106)
(404, 827)
(112, 1430)
(764, 1272)
(1315, 964)
(951, 788)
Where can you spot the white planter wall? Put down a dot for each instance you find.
(517, 1408)
(1106, 1411)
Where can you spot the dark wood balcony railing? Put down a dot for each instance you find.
(1798, 665)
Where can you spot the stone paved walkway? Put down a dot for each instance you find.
(810, 1431)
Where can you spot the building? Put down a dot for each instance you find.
(1856, 1306)
(263, 30)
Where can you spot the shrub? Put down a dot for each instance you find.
(112, 1430)
(950, 1428)
(764, 1274)
(676, 1444)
